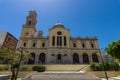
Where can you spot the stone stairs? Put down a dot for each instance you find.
(63, 72)
(65, 67)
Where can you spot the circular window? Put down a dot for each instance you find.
(59, 33)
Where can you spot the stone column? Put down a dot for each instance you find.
(81, 59)
(36, 58)
(90, 58)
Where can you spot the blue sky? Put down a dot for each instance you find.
(91, 18)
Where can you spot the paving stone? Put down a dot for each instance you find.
(62, 76)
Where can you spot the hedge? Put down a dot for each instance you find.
(109, 66)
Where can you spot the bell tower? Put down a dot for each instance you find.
(29, 28)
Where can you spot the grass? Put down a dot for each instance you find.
(22, 74)
(101, 74)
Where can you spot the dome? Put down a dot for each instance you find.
(58, 25)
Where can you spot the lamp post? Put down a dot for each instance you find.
(103, 64)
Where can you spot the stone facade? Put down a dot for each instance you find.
(58, 47)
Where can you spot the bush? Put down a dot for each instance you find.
(101, 66)
(38, 68)
(41, 69)
(93, 66)
(24, 68)
(3, 67)
(116, 66)
(35, 68)
(112, 65)
(107, 65)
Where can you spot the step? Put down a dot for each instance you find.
(62, 67)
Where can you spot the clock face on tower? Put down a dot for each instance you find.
(59, 33)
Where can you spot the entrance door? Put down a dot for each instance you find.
(59, 59)
(75, 58)
(32, 60)
(85, 58)
(42, 58)
(95, 58)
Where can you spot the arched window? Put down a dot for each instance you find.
(74, 45)
(34, 44)
(65, 42)
(60, 40)
(75, 58)
(83, 45)
(53, 41)
(95, 58)
(24, 44)
(92, 45)
(59, 33)
(29, 22)
(43, 44)
(59, 57)
(42, 58)
(32, 59)
(85, 58)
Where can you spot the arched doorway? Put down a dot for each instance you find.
(42, 58)
(75, 58)
(85, 58)
(95, 58)
(32, 60)
(59, 57)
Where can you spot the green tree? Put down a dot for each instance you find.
(113, 49)
(13, 59)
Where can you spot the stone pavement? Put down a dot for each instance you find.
(4, 77)
(64, 75)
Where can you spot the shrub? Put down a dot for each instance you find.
(3, 67)
(101, 66)
(41, 69)
(35, 68)
(107, 65)
(93, 66)
(24, 68)
(116, 66)
(38, 68)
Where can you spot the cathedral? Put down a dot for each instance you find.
(58, 47)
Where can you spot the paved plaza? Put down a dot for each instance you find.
(62, 76)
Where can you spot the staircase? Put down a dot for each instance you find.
(63, 72)
(65, 67)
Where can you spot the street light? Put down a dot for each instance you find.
(103, 64)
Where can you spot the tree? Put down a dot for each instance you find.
(114, 49)
(13, 59)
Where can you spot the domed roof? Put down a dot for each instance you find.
(58, 25)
